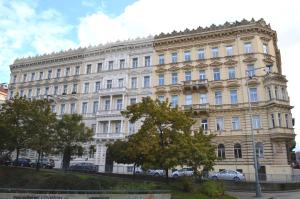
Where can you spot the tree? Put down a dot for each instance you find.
(71, 135)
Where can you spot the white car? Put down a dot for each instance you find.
(183, 172)
(227, 175)
(156, 172)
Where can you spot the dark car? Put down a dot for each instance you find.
(84, 167)
(23, 162)
(44, 163)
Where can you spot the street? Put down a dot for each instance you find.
(270, 195)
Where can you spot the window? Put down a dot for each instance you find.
(233, 96)
(161, 98)
(203, 98)
(38, 91)
(97, 86)
(256, 122)
(32, 76)
(15, 79)
(161, 59)
(202, 75)
(221, 151)
(99, 67)
(253, 94)
(110, 65)
(174, 58)
(121, 83)
(58, 73)
(161, 79)
(89, 69)
(187, 55)
(265, 48)
(146, 81)
(22, 93)
(109, 84)
(218, 97)
(279, 120)
(215, 52)
(95, 107)
(118, 127)
(133, 82)
(237, 151)
(107, 105)
(188, 100)
(220, 124)
(119, 104)
(250, 70)
(229, 50)
(174, 101)
(174, 78)
(24, 77)
(72, 108)
(147, 61)
(65, 89)
(62, 109)
(276, 92)
(41, 75)
(217, 75)
(77, 70)
(84, 108)
(131, 128)
(235, 123)
(188, 76)
(29, 93)
(49, 74)
(259, 149)
(201, 55)
(46, 91)
(105, 127)
(122, 63)
(132, 101)
(67, 72)
(248, 47)
(273, 120)
(86, 87)
(287, 121)
(11, 95)
(283, 92)
(134, 62)
(231, 73)
(269, 93)
(74, 89)
(53, 108)
(204, 124)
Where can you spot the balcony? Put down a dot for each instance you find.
(195, 84)
(113, 91)
(110, 113)
(200, 108)
(108, 136)
(282, 134)
(275, 101)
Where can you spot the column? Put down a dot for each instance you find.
(110, 105)
(109, 126)
(121, 128)
(123, 102)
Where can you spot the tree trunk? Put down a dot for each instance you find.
(66, 158)
(134, 170)
(18, 152)
(37, 166)
(167, 174)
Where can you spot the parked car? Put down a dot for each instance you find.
(227, 175)
(44, 163)
(156, 172)
(23, 162)
(84, 166)
(182, 172)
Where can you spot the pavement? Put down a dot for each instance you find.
(295, 194)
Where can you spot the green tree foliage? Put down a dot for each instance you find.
(71, 134)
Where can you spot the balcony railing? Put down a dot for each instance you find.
(118, 135)
(109, 112)
(195, 84)
(115, 89)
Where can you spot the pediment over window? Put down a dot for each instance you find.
(160, 90)
(233, 83)
(247, 38)
(253, 81)
(160, 70)
(230, 62)
(216, 84)
(187, 67)
(175, 89)
(174, 68)
(201, 65)
(249, 59)
(133, 73)
(268, 60)
(266, 39)
(216, 63)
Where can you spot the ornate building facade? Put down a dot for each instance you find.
(215, 72)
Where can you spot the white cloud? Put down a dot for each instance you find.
(146, 17)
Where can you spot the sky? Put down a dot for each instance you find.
(31, 27)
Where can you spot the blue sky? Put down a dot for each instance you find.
(32, 27)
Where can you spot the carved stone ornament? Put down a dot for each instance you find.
(216, 84)
(253, 81)
(160, 90)
(230, 62)
(175, 89)
(187, 67)
(174, 68)
(233, 83)
(201, 65)
(268, 60)
(247, 38)
(160, 70)
(249, 59)
(266, 39)
(216, 63)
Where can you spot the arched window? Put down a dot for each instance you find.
(237, 151)
(259, 149)
(221, 151)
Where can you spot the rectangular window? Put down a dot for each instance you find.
(122, 63)
(89, 69)
(84, 108)
(161, 79)
(279, 120)
(188, 100)
(161, 98)
(132, 101)
(235, 123)
(24, 77)
(41, 75)
(118, 127)
(201, 55)
(15, 79)
(105, 127)
(134, 62)
(32, 76)
(174, 58)
(74, 89)
(131, 127)
(146, 81)
(67, 72)
(215, 52)
(49, 74)
(38, 92)
(220, 124)
(55, 92)
(121, 83)
(161, 59)
(65, 91)
(77, 70)
(265, 48)
(133, 82)
(29, 93)
(109, 84)
(273, 120)
(217, 74)
(147, 61)
(72, 108)
(248, 47)
(53, 108)
(287, 121)
(62, 109)
(187, 55)
(250, 70)
(58, 73)
(107, 105)
(204, 124)
(218, 97)
(202, 75)
(46, 91)
(229, 50)
(95, 107)
(110, 65)
(174, 78)
(231, 73)
(86, 87)
(233, 97)
(99, 67)
(188, 75)
(22, 93)
(256, 122)
(97, 87)
(253, 94)
(174, 101)
(203, 98)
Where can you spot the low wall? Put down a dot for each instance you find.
(250, 186)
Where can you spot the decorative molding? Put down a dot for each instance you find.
(266, 39)
(268, 60)
(229, 41)
(160, 70)
(249, 59)
(216, 85)
(230, 62)
(247, 38)
(253, 81)
(216, 63)
(187, 67)
(173, 68)
(232, 83)
(201, 65)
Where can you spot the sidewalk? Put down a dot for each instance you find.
(274, 195)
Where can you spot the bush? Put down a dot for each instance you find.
(212, 188)
(186, 184)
